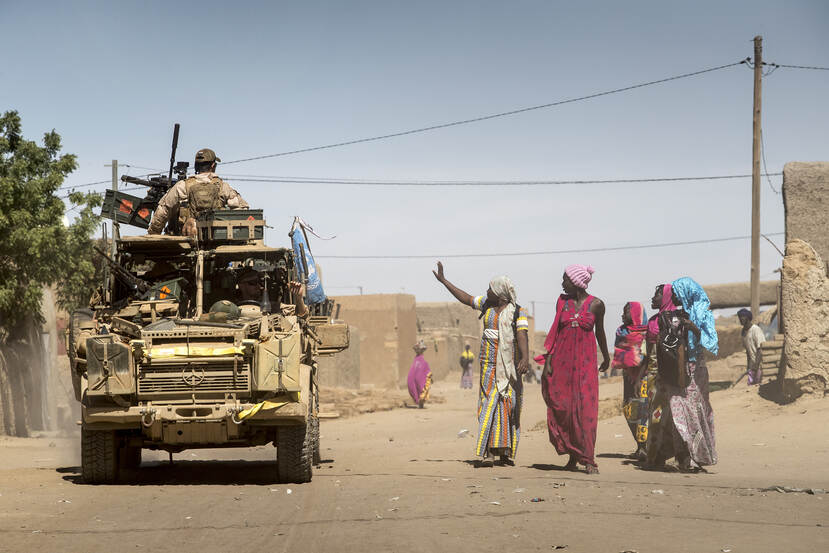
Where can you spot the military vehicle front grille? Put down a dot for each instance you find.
(215, 378)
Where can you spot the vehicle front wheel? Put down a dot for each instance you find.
(295, 453)
(99, 456)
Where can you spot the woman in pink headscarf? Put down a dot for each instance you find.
(629, 358)
(420, 376)
(570, 381)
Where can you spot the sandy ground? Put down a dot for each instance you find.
(402, 480)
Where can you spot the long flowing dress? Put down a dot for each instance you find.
(682, 420)
(572, 390)
(498, 407)
(420, 379)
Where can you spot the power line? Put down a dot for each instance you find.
(763, 152)
(545, 252)
(811, 67)
(85, 185)
(487, 117)
(366, 182)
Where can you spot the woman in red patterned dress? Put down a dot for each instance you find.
(570, 381)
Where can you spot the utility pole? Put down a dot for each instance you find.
(755, 177)
(116, 228)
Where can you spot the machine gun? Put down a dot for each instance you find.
(136, 211)
(138, 287)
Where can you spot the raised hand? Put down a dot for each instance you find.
(297, 289)
(439, 273)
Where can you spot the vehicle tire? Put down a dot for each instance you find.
(295, 453)
(315, 434)
(99, 456)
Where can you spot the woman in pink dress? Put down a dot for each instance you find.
(570, 381)
(420, 376)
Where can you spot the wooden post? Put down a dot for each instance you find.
(755, 177)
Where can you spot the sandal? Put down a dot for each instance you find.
(591, 469)
(504, 460)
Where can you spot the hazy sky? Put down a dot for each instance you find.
(253, 78)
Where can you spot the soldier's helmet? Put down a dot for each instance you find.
(206, 155)
(225, 306)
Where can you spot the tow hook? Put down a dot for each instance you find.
(233, 412)
(147, 417)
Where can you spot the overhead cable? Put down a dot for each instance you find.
(545, 252)
(367, 182)
(485, 117)
(811, 67)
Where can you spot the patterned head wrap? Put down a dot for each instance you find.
(503, 287)
(696, 303)
(580, 275)
(419, 347)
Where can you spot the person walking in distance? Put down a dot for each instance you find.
(570, 381)
(420, 376)
(467, 357)
(506, 328)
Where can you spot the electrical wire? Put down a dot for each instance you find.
(545, 252)
(367, 182)
(811, 67)
(486, 117)
(763, 152)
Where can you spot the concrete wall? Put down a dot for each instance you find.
(806, 200)
(387, 324)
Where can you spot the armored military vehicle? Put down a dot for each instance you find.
(170, 356)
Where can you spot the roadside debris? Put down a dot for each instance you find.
(788, 489)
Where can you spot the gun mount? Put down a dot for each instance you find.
(132, 210)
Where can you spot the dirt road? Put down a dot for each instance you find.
(402, 480)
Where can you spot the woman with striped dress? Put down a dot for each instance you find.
(504, 359)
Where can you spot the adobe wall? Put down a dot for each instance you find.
(805, 303)
(738, 294)
(342, 370)
(806, 201)
(805, 286)
(388, 329)
(446, 328)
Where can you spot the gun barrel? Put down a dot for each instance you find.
(173, 153)
(155, 182)
(137, 284)
(143, 182)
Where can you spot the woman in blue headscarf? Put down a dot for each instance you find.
(682, 420)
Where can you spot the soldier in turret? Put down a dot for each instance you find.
(203, 191)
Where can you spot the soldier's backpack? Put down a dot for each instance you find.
(203, 197)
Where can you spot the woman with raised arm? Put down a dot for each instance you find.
(570, 381)
(504, 358)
